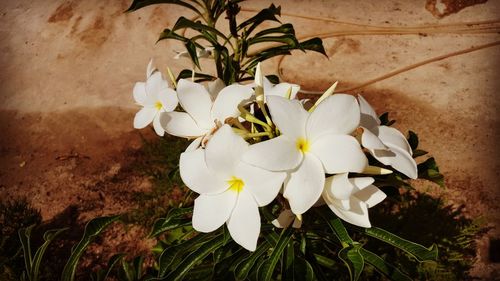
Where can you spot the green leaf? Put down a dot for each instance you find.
(243, 268)
(337, 227)
(303, 270)
(324, 261)
(314, 44)
(429, 170)
(191, 49)
(195, 257)
(384, 119)
(174, 219)
(385, 268)
(284, 28)
(170, 254)
(102, 275)
(25, 238)
(266, 270)
(418, 251)
(419, 152)
(48, 237)
(264, 15)
(412, 140)
(169, 34)
(188, 73)
(92, 229)
(183, 22)
(287, 262)
(353, 260)
(287, 39)
(137, 4)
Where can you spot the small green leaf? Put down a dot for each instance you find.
(287, 262)
(430, 171)
(194, 257)
(286, 39)
(169, 34)
(266, 270)
(191, 49)
(25, 238)
(336, 226)
(188, 73)
(412, 140)
(303, 270)
(243, 268)
(183, 22)
(102, 275)
(174, 219)
(92, 229)
(264, 15)
(385, 268)
(314, 44)
(286, 28)
(385, 121)
(48, 237)
(137, 4)
(418, 251)
(353, 260)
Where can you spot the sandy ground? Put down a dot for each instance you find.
(68, 68)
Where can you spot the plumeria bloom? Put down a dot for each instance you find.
(310, 145)
(155, 97)
(386, 144)
(287, 218)
(200, 53)
(350, 198)
(270, 89)
(230, 190)
(203, 116)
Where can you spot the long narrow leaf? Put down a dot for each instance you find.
(243, 268)
(385, 268)
(353, 260)
(25, 238)
(137, 4)
(266, 270)
(92, 229)
(48, 237)
(418, 251)
(192, 259)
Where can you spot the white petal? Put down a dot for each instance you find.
(194, 144)
(196, 175)
(244, 223)
(140, 93)
(196, 101)
(284, 219)
(371, 195)
(168, 99)
(155, 84)
(400, 160)
(226, 104)
(289, 116)
(212, 211)
(339, 187)
(371, 140)
(282, 89)
(361, 183)
(224, 151)
(144, 117)
(338, 114)
(305, 184)
(369, 118)
(180, 124)
(214, 87)
(357, 213)
(150, 68)
(278, 154)
(262, 184)
(392, 137)
(157, 126)
(339, 154)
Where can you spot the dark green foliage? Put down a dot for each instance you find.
(14, 215)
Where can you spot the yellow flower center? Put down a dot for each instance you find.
(235, 184)
(303, 145)
(158, 105)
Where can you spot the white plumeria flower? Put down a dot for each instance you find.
(386, 144)
(214, 87)
(231, 190)
(155, 97)
(271, 89)
(310, 145)
(287, 218)
(350, 198)
(203, 116)
(200, 53)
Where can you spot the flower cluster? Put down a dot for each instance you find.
(253, 143)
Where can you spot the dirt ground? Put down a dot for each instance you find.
(68, 69)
